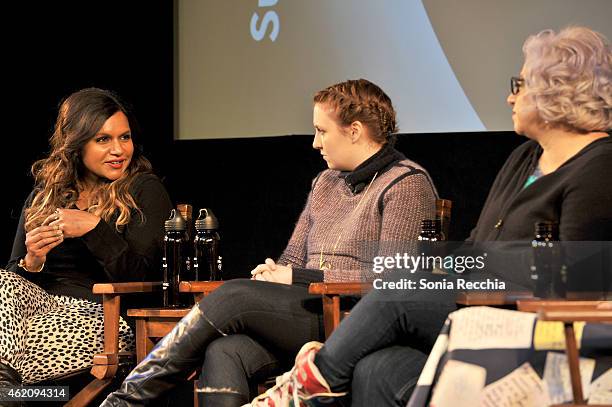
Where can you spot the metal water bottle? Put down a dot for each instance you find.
(175, 257)
(430, 247)
(207, 261)
(548, 269)
(431, 230)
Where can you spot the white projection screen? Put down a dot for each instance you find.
(249, 68)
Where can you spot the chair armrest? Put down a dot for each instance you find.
(205, 287)
(566, 316)
(497, 298)
(199, 289)
(105, 364)
(339, 288)
(535, 305)
(126, 288)
(568, 311)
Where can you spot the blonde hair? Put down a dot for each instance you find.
(568, 75)
(59, 177)
(361, 100)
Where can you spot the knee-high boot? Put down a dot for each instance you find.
(172, 359)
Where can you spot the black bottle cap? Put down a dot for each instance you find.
(176, 222)
(206, 220)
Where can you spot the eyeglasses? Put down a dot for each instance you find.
(515, 84)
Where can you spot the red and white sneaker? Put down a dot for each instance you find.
(302, 386)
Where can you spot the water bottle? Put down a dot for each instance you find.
(430, 246)
(548, 269)
(175, 257)
(431, 230)
(207, 262)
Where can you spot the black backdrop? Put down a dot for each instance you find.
(256, 187)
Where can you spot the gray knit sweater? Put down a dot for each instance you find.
(350, 234)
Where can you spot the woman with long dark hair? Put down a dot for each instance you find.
(95, 215)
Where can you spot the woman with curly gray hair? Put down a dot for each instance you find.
(562, 101)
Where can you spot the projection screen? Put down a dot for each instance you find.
(249, 68)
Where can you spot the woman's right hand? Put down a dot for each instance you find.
(39, 241)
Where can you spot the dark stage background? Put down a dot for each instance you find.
(257, 187)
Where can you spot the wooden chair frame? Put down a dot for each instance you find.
(107, 363)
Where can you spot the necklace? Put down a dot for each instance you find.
(325, 265)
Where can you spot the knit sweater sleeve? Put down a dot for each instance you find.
(402, 205)
(296, 251)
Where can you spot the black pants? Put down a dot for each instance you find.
(263, 325)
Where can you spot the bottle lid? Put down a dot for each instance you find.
(206, 220)
(176, 222)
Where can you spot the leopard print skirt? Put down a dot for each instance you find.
(43, 336)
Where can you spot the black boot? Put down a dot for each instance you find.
(171, 361)
(9, 379)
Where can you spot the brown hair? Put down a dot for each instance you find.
(361, 100)
(59, 177)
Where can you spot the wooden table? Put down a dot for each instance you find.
(152, 324)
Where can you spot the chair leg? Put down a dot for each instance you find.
(574, 362)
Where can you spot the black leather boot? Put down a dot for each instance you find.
(170, 362)
(9, 378)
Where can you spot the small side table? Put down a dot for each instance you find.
(153, 324)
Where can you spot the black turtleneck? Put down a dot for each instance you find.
(379, 162)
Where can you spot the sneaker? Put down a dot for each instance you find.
(302, 386)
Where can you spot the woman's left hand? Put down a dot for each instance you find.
(274, 273)
(74, 222)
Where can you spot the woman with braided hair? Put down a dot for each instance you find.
(370, 200)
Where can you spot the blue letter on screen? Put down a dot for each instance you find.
(269, 18)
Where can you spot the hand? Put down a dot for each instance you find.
(40, 241)
(272, 272)
(268, 266)
(74, 222)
